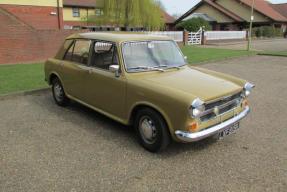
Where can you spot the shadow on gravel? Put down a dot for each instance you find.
(112, 130)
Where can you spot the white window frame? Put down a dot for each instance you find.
(76, 12)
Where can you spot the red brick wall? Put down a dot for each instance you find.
(36, 16)
(20, 43)
(31, 45)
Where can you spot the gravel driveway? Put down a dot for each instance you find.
(47, 148)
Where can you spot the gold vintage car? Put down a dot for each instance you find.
(144, 81)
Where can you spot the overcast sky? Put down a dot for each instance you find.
(182, 6)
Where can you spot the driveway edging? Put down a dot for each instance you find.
(24, 93)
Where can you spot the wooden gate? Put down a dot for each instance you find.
(195, 38)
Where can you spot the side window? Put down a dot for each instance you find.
(69, 53)
(104, 55)
(61, 54)
(79, 52)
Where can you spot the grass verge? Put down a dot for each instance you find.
(21, 77)
(197, 55)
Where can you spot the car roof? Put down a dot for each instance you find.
(118, 37)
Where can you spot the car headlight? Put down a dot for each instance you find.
(247, 89)
(197, 108)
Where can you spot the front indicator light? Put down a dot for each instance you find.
(192, 127)
(244, 103)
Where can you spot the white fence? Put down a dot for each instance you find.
(222, 35)
(175, 35)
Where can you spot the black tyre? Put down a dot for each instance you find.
(151, 129)
(58, 93)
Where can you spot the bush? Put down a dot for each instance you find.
(194, 24)
(267, 31)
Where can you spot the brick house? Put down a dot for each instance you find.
(33, 30)
(40, 14)
(76, 12)
(169, 21)
(235, 14)
(27, 28)
(61, 14)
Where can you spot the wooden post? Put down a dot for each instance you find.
(250, 27)
(203, 39)
(185, 37)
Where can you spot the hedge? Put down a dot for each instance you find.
(267, 31)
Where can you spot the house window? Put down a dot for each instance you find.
(76, 12)
(99, 12)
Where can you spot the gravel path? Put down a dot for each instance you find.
(47, 148)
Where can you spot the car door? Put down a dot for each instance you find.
(105, 90)
(75, 68)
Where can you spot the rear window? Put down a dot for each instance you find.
(61, 53)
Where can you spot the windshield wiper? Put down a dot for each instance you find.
(161, 66)
(148, 68)
(177, 67)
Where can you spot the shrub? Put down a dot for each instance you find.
(267, 31)
(194, 24)
(258, 32)
(278, 32)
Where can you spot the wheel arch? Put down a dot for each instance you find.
(55, 75)
(141, 105)
(52, 76)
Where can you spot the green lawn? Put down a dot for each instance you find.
(198, 55)
(23, 77)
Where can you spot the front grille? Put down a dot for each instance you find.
(222, 101)
(224, 105)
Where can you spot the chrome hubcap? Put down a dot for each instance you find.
(58, 92)
(147, 130)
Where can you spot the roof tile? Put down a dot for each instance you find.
(281, 8)
(81, 3)
(167, 18)
(265, 8)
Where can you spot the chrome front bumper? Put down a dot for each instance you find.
(192, 137)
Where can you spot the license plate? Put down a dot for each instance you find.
(229, 130)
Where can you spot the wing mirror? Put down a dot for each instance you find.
(115, 69)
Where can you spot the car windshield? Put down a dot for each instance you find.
(152, 55)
